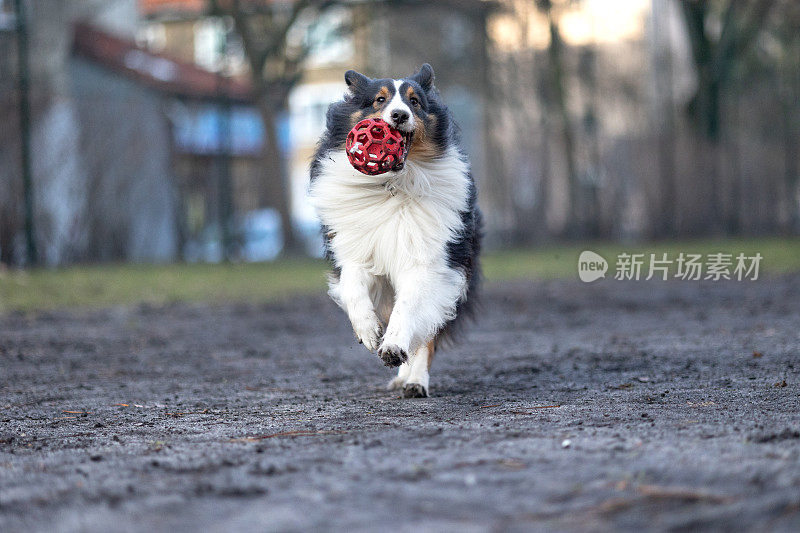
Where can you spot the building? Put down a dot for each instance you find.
(134, 152)
(158, 135)
(60, 184)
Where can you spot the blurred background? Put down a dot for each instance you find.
(181, 130)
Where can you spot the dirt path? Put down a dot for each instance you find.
(570, 406)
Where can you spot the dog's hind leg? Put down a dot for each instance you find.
(399, 381)
(417, 382)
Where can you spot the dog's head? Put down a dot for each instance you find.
(412, 105)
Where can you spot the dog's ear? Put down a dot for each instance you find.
(355, 80)
(424, 77)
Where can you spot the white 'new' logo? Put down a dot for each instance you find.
(591, 266)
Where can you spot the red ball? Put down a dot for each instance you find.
(374, 147)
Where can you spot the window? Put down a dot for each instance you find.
(323, 36)
(153, 37)
(217, 47)
(7, 16)
(308, 105)
(209, 41)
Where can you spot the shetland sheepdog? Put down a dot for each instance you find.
(403, 245)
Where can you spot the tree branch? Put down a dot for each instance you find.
(694, 13)
(733, 43)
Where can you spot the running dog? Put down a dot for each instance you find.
(403, 245)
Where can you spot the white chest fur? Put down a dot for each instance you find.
(394, 221)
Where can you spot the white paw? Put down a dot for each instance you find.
(368, 332)
(415, 390)
(392, 355)
(396, 383)
(400, 379)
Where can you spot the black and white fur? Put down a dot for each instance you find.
(404, 245)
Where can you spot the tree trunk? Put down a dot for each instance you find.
(715, 61)
(278, 189)
(665, 225)
(575, 224)
(791, 138)
(501, 222)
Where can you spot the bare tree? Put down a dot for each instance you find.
(582, 198)
(716, 56)
(276, 66)
(665, 224)
(788, 34)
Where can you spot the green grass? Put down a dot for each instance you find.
(779, 256)
(107, 285)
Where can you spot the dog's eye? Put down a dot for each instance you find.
(414, 101)
(380, 99)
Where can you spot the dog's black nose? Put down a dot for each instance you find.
(399, 116)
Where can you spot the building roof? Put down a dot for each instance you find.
(188, 8)
(157, 71)
(159, 7)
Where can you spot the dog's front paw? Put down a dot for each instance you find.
(392, 355)
(368, 332)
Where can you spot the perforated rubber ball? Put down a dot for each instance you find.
(373, 147)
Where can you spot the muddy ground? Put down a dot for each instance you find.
(645, 405)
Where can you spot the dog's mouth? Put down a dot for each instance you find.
(408, 138)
